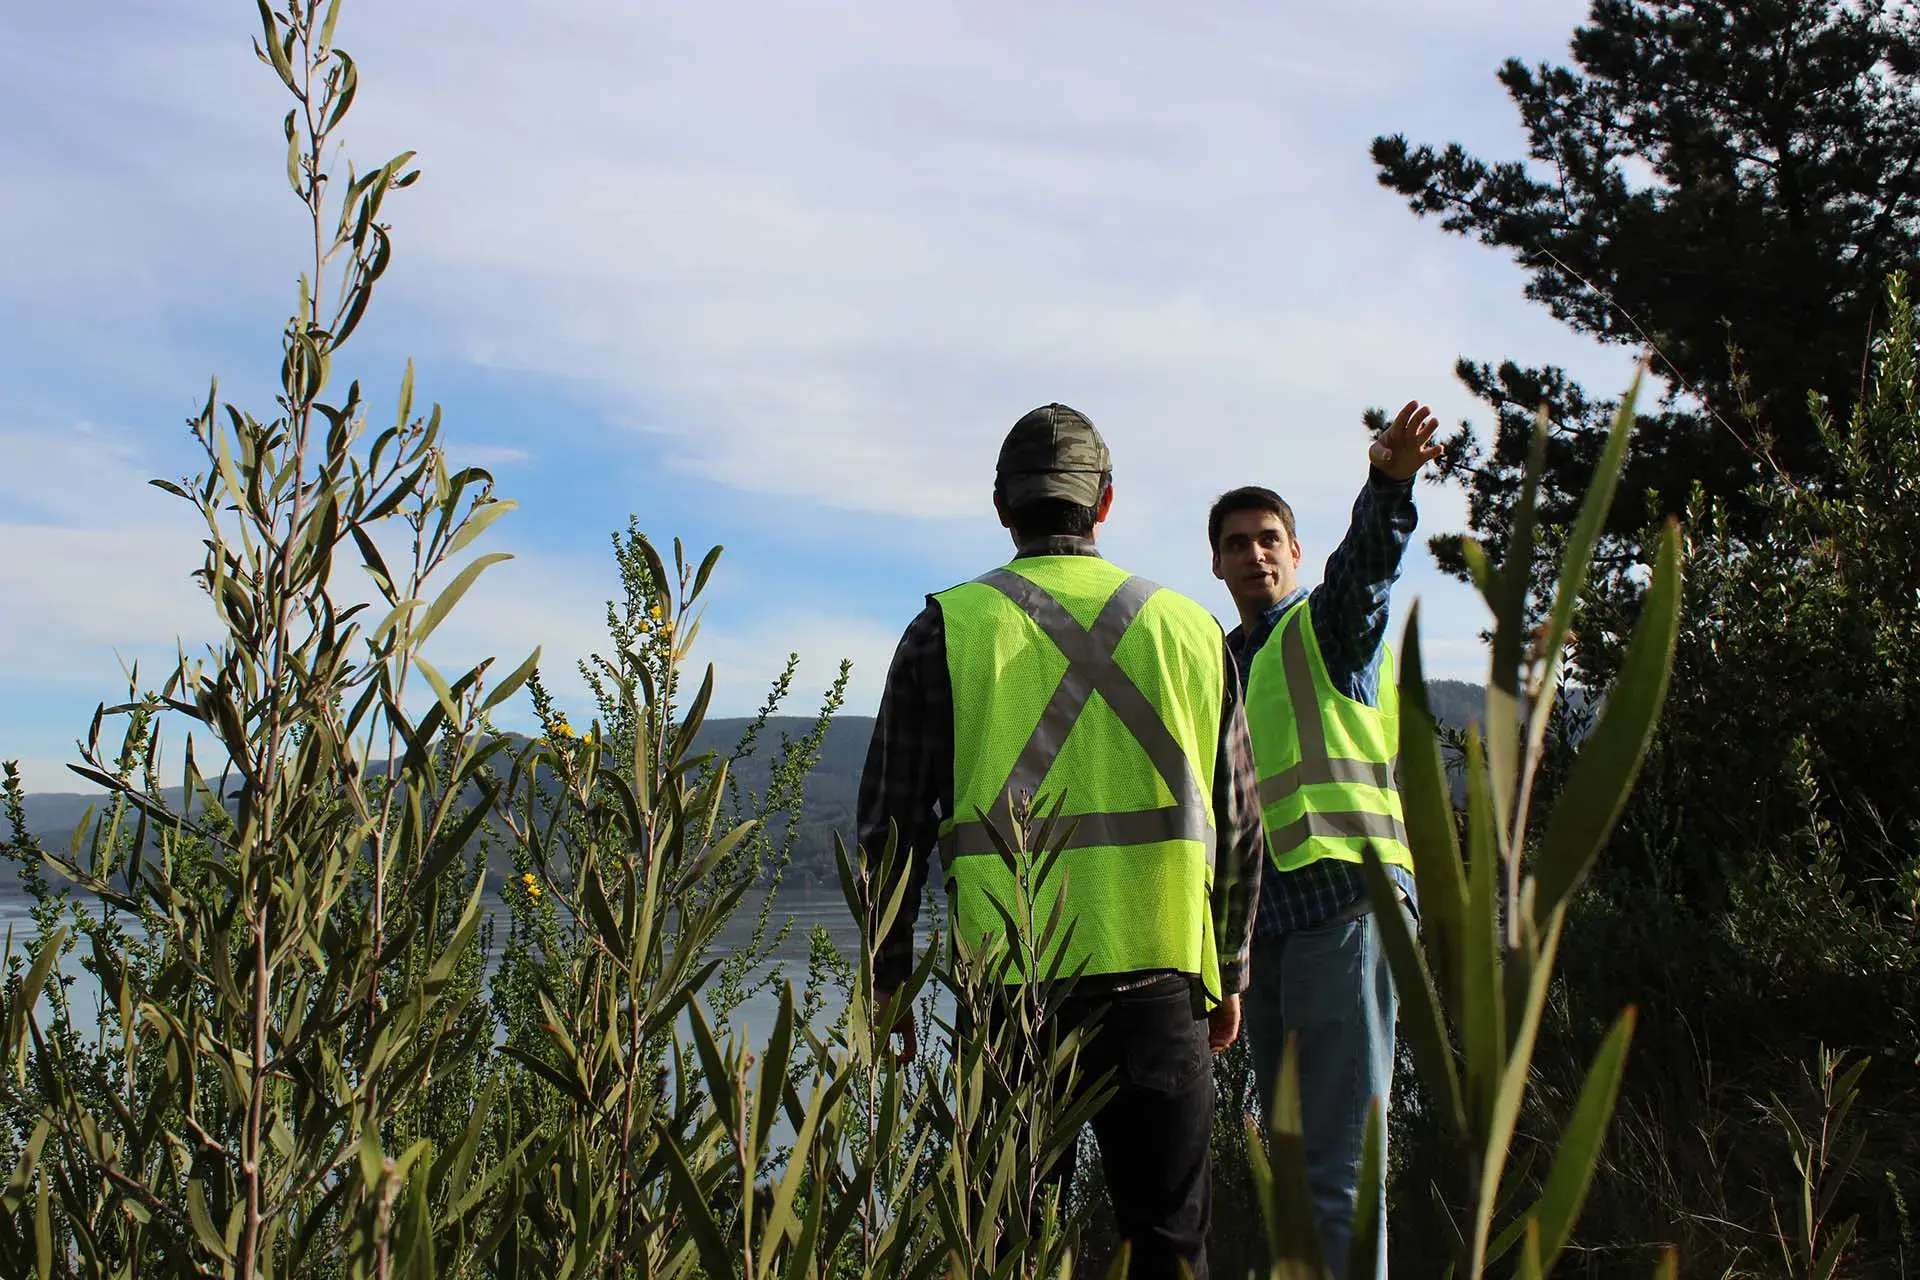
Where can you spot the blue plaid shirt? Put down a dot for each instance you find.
(1350, 621)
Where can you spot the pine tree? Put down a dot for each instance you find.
(1723, 185)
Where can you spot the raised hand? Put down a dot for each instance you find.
(1407, 445)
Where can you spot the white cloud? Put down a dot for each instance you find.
(824, 255)
(834, 251)
(93, 562)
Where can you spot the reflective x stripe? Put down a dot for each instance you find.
(1377, 826)
(1306, 699)
(1093, 830)
(1307, 772)
(1316, 764)
(1091, 668)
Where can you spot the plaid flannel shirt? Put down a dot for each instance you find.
(907, 787)
(1350, 621)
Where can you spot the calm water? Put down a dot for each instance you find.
(803, 908)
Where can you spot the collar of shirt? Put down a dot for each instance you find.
(1061, 544)
(1246, 643)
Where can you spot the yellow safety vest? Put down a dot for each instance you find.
(1325, 761)
(1076, 681)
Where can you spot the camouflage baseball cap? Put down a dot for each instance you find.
(1053, 452)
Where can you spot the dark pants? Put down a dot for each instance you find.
(1155, 1134)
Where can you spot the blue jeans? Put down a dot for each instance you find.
(1332, 986)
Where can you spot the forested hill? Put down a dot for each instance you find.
(832, 789)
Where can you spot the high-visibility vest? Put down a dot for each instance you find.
(1074, 681)
(1325, 761)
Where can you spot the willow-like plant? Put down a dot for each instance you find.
(298, 984)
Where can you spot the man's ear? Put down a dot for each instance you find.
(1000, 509)
(1105, 505)
(1218, 572)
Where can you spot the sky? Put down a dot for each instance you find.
(775, 277)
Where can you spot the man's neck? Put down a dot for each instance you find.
(1058, 544)
(1254, 612)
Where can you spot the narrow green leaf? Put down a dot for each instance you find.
(1421, 1016)
(1565, 1192)
(1295, 1236)
(1498, 1132)
(779, 1217)
(725, 1101)
(705, 571)
(1577, 561)
(1363, 1253)
(1610, 758)
(405, 412)
(1829, 1259)
(1480, 570)
(1431, 828)
(296, 154)
(443, 603)
(714, 1254)
(440, 688)
(273, 55)
(441, 971)
(1530, 1264)
(567, 1085)
(477, 521)
(43, 1230)
(202, 1221)
(1483, 1013)
(326, 25)
(1511, 585)
(593, 893)
(20, 1011)
(26, 1168)
(773, 1068)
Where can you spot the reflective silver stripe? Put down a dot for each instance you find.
(1307, 772)
(1311, 728)
(1316, 763)
(1374, 826)
(1094, 830)
(1091, 668)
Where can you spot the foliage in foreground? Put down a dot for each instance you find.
(299, 1064)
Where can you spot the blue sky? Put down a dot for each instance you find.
(773, 276)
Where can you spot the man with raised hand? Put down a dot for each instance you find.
(1061, 677)
(1322, 712)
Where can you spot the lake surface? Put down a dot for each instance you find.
(801, 908)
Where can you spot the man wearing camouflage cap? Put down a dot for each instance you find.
(1061, 677)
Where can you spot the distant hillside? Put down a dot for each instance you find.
(831, 794)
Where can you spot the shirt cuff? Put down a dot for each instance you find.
(1378, 479)
(1233, 977)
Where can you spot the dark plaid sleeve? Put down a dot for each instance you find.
(1241, 837)
(908, 780)
(1350, 605)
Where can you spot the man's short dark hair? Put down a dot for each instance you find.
(1251, 497)
(1051, 517)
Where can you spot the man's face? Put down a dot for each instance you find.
(1256, 558)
